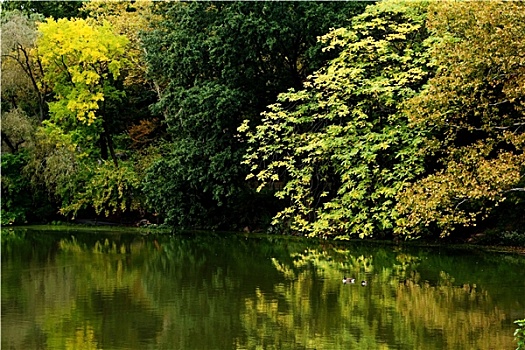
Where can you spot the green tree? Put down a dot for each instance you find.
(474, 110)
(15, 204)
(217, 63)
(23, 107)
(17, 131)
(22, 201)
(342, 146)
(55, 9)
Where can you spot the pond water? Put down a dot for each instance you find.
(114, 290)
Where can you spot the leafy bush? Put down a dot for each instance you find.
(107, 189)
(519, 334)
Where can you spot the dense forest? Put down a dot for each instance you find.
(331, 119)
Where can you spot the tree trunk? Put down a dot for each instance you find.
(111, 149)
(103, 146)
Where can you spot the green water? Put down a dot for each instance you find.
(97, 290)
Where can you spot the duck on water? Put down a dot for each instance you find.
(348, 280)
(352, 281)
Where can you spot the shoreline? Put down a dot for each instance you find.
(106, 227)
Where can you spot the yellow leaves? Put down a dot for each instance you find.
(128, 19)
(244, 127)
(336, 37)
(65, 43)
(462, 194)
(472, 50)
(333, 142)
(84, 104)
(78, 57)
(78, 76)
(83, 339)
(383, 145)
(479, 76)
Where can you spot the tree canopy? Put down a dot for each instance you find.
(54, 9)
(342, 145)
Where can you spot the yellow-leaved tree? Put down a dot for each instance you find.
(82, 62)
(475, 110)
(342, 146)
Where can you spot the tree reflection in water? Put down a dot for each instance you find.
(210, 291)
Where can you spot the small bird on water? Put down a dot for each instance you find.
(348, 280)
(364, 283)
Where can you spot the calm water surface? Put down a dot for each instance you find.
(96, 290)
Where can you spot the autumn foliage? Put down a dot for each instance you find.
(355, 119)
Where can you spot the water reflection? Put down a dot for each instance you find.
(85, 290)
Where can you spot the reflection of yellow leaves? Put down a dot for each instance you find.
(285, 270)
(440, 307)
(84, 339)
(414, 307)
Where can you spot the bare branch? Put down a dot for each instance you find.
(498, 103)
(517, 189)
(463, 201)
(510, 126)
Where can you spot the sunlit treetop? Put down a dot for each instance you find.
(80, 61)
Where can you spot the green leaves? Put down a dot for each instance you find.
(106, 189)
(407, 119)
(341, 143)
(220, 63)
(368, 147)
(15, 205)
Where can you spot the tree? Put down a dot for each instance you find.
(474, 108)
(85, 71)
(131, 19)
(22, 76)
(342, 145)
(23, 107)
(218, 63)
(82, 63)
(17, 129)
